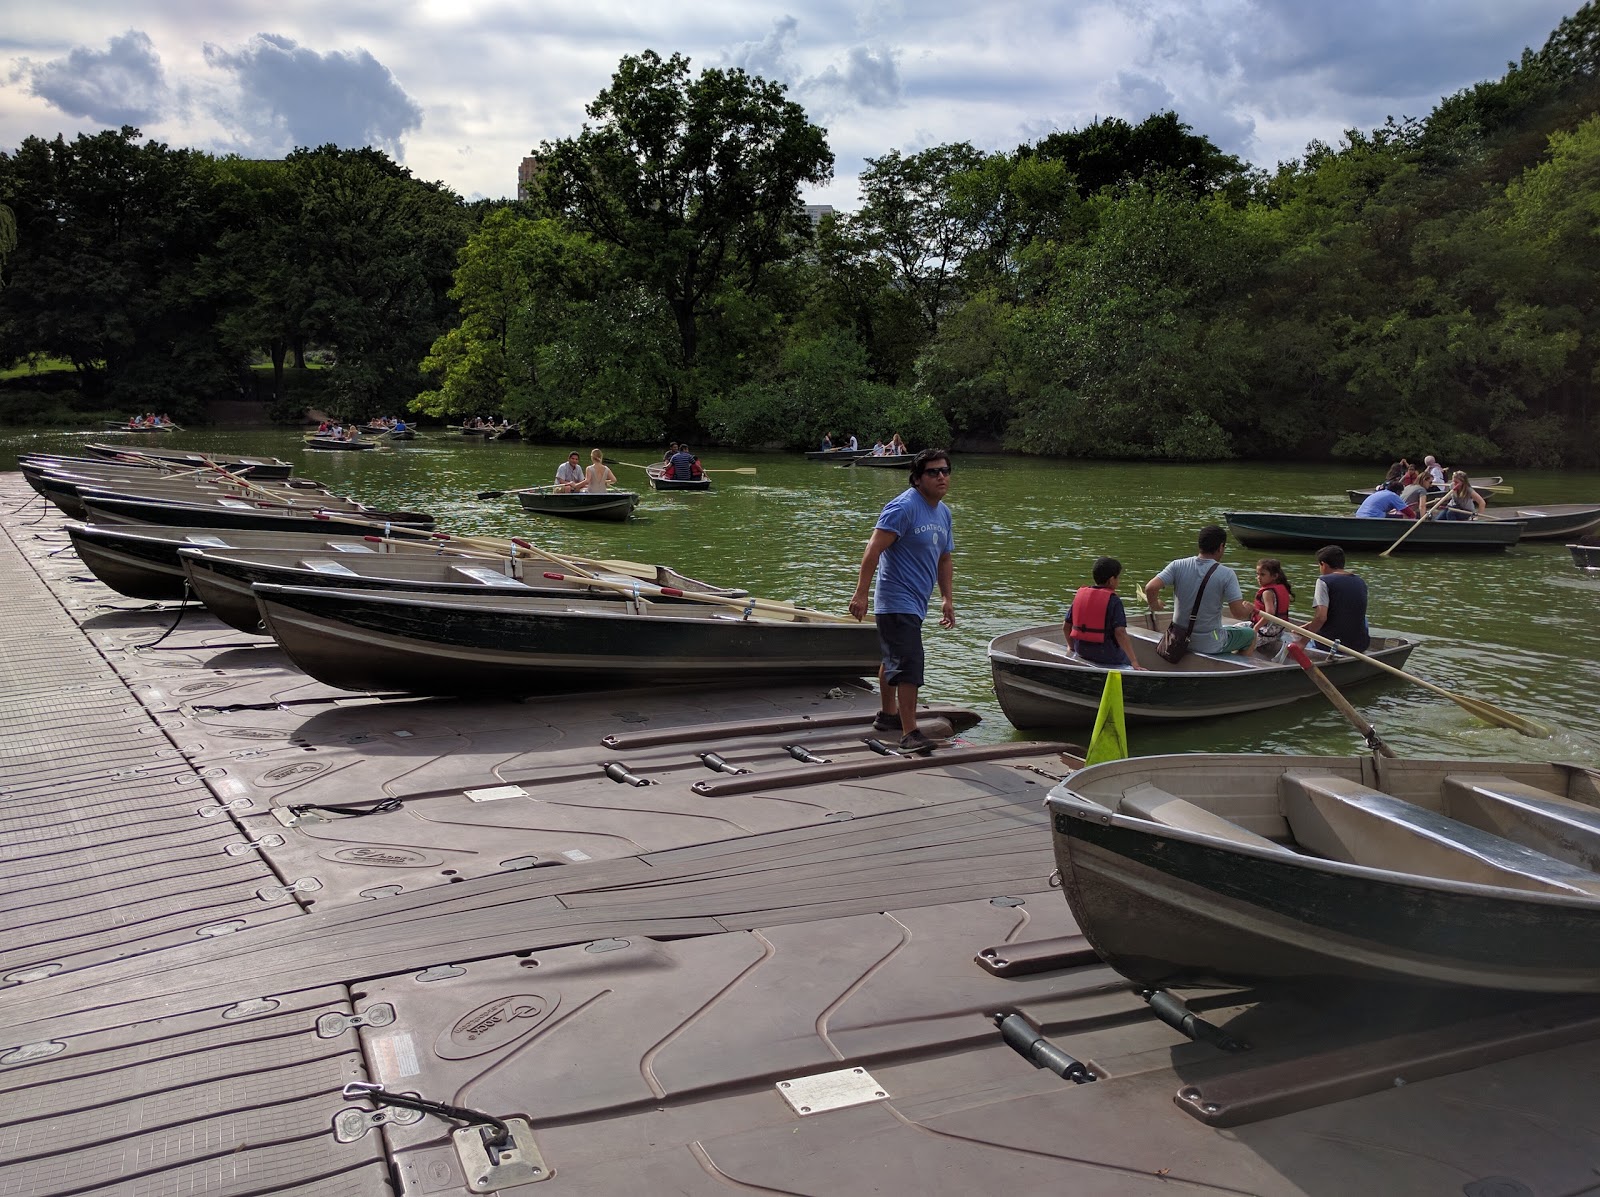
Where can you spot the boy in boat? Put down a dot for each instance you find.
(1339, 607)
(913, 540)
(1096, 626)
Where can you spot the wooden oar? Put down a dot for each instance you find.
(1303, 659)
(738, 470)
(767, 606)
(521, 490)
(1486, 711)
(1427, 513)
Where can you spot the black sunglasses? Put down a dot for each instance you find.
(936, 470)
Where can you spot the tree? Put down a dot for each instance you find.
(911, 218)
(379, 247)
(8, 234)
(1137, 354)
(260, 269)
(1111, 153)
(110, 229)
(509, 268)
(693, 182)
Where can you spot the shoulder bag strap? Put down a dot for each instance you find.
(1195, 614)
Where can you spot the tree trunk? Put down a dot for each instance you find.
(278, 348)
(299, 353)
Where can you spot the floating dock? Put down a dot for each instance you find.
(669, 941)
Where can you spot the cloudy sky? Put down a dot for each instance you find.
(460, 90)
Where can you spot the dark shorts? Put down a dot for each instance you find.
(900, 640)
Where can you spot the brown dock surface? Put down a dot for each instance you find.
(231, 890)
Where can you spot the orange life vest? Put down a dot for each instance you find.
(1090, 607)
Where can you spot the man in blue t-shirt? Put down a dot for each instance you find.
(1384, 502)
(913, 540)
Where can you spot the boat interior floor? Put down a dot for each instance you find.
(680, 940)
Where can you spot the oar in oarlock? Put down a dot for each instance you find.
(1300, 657)
(1427, 514)
(1486, 711)
(754, 606)
(731, 470)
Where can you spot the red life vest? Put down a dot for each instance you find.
(1091, 606)
(1281, 593)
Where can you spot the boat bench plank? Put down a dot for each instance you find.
(1528, 815)
(1037, 648)
(1347, 820)
(1147, 801)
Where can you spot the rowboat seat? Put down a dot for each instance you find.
(1347, 820)
(1146, 801)
(1037, 648)
(1531, 816)
(487, 576)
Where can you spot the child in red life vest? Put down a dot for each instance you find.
(1096, 626)
(1273, 597)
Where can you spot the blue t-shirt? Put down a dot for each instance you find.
(1379, 504)
(682, 466)
(908, 571)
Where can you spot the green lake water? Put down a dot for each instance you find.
(1520, 629)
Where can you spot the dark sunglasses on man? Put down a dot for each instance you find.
(936, 470)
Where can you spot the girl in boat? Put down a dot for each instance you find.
(1273, 595)
(1464, 502)
(598, 476)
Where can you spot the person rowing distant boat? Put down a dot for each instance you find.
(1384, 502)
(1464, 502)
(683, 466)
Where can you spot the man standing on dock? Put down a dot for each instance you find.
(913, 539)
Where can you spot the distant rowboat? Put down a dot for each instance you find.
(660, 481)
(335, 444)
(614, 506)
(1549, 521)
(1276, 530)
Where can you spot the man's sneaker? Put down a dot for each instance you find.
(886, 722)
(915, 741)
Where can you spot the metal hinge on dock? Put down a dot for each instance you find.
(495, 1153)
(1022, 1037)
(334, 1024)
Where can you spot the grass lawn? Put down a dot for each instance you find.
(45, 365)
